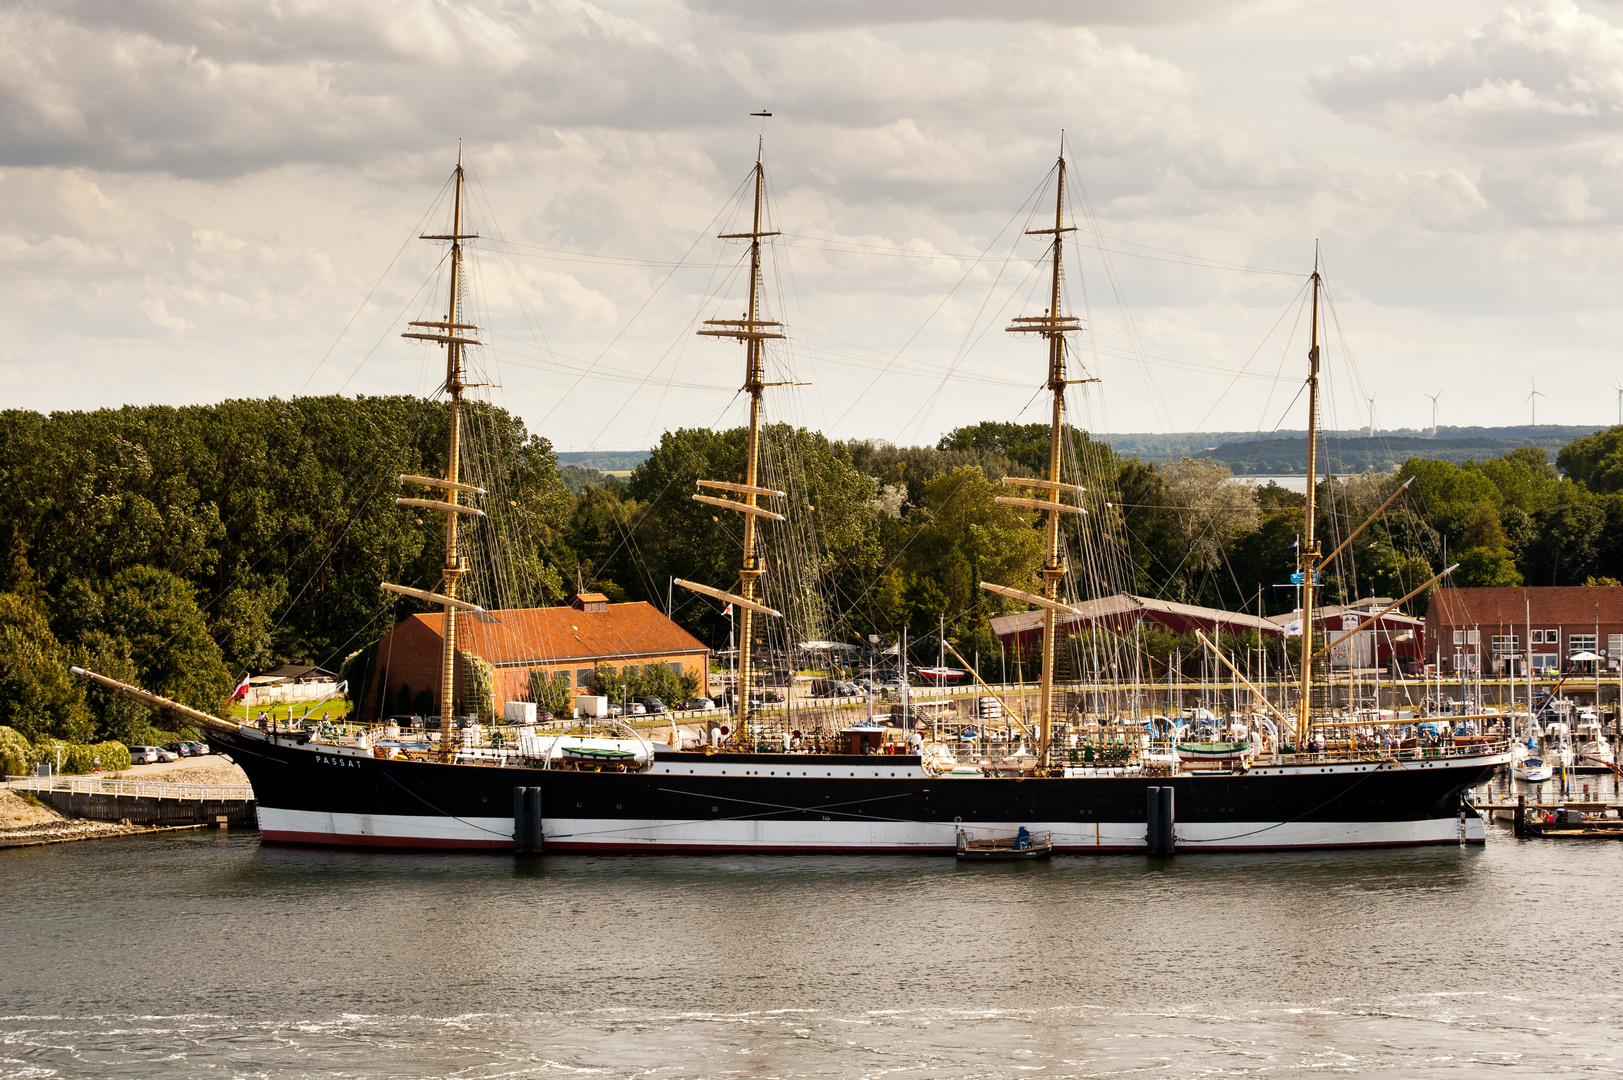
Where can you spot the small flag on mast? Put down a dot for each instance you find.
(242, 688)
(728, 610)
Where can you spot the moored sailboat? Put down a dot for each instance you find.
(754, 795)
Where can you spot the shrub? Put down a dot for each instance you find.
(479, 683)
(550, 692)
(78, 758)
(15, 754)
(115, 756)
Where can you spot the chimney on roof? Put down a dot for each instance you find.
(589, 601)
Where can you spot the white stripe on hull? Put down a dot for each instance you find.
(384, 830)
(588, 834)
(599, 834)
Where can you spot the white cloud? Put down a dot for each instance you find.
(1060, 12)
(195, 196)
(1548, 75)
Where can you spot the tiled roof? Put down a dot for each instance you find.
(1565, 604)
(553, 634)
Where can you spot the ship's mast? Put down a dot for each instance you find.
(1308, 554)
(1053, 326)
(456, 565)
(753, 331)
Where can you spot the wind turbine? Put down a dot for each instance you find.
(1434, 398)
(1371, 401)
(1618, 386)
(1533, 398)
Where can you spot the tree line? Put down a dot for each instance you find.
(180, 548)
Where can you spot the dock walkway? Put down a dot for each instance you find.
(141, 802)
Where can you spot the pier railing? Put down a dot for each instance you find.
(140, 789)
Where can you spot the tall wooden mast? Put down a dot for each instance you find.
(1307, 559)
(447, 334)
(752, 330)
(1053, 326)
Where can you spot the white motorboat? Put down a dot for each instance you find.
(1531, 770)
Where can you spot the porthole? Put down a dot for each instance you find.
(617, 806)
(715, 809)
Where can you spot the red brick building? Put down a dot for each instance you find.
(1496, 631)
(572, 640)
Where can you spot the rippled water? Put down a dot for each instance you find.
(207, 955)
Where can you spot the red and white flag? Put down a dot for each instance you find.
(728, 610)
(242, 688)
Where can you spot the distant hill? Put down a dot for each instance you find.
(1285, 452)
(605, 460)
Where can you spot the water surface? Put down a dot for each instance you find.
(208, 955)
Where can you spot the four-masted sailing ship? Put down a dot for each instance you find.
(738, 798)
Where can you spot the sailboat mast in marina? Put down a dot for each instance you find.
(1053, 326)
(1307, 556)
(753, 331)
(449, 334)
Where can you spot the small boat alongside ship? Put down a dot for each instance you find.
(753, 794)
(1021, 847)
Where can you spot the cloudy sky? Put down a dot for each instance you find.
(218, 198)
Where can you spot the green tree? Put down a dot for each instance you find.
(1595, 462)
(38, 696)
(1482, 567)
(156, 613)
(1571, 541)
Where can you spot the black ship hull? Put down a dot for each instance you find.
(785, 803)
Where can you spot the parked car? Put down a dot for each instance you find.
(194, 749)
(636, 708)
(143, 755)
(768, 695)
(615, 710)
(653, 705)
(701, 703)
(166, 754)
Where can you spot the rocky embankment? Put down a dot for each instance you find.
(25, 821)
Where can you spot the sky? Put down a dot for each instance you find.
(220, 199)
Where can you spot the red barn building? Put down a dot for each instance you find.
(572, 641)
(1120, 613)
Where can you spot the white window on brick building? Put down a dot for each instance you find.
(1503, 644)
(1577, 643)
